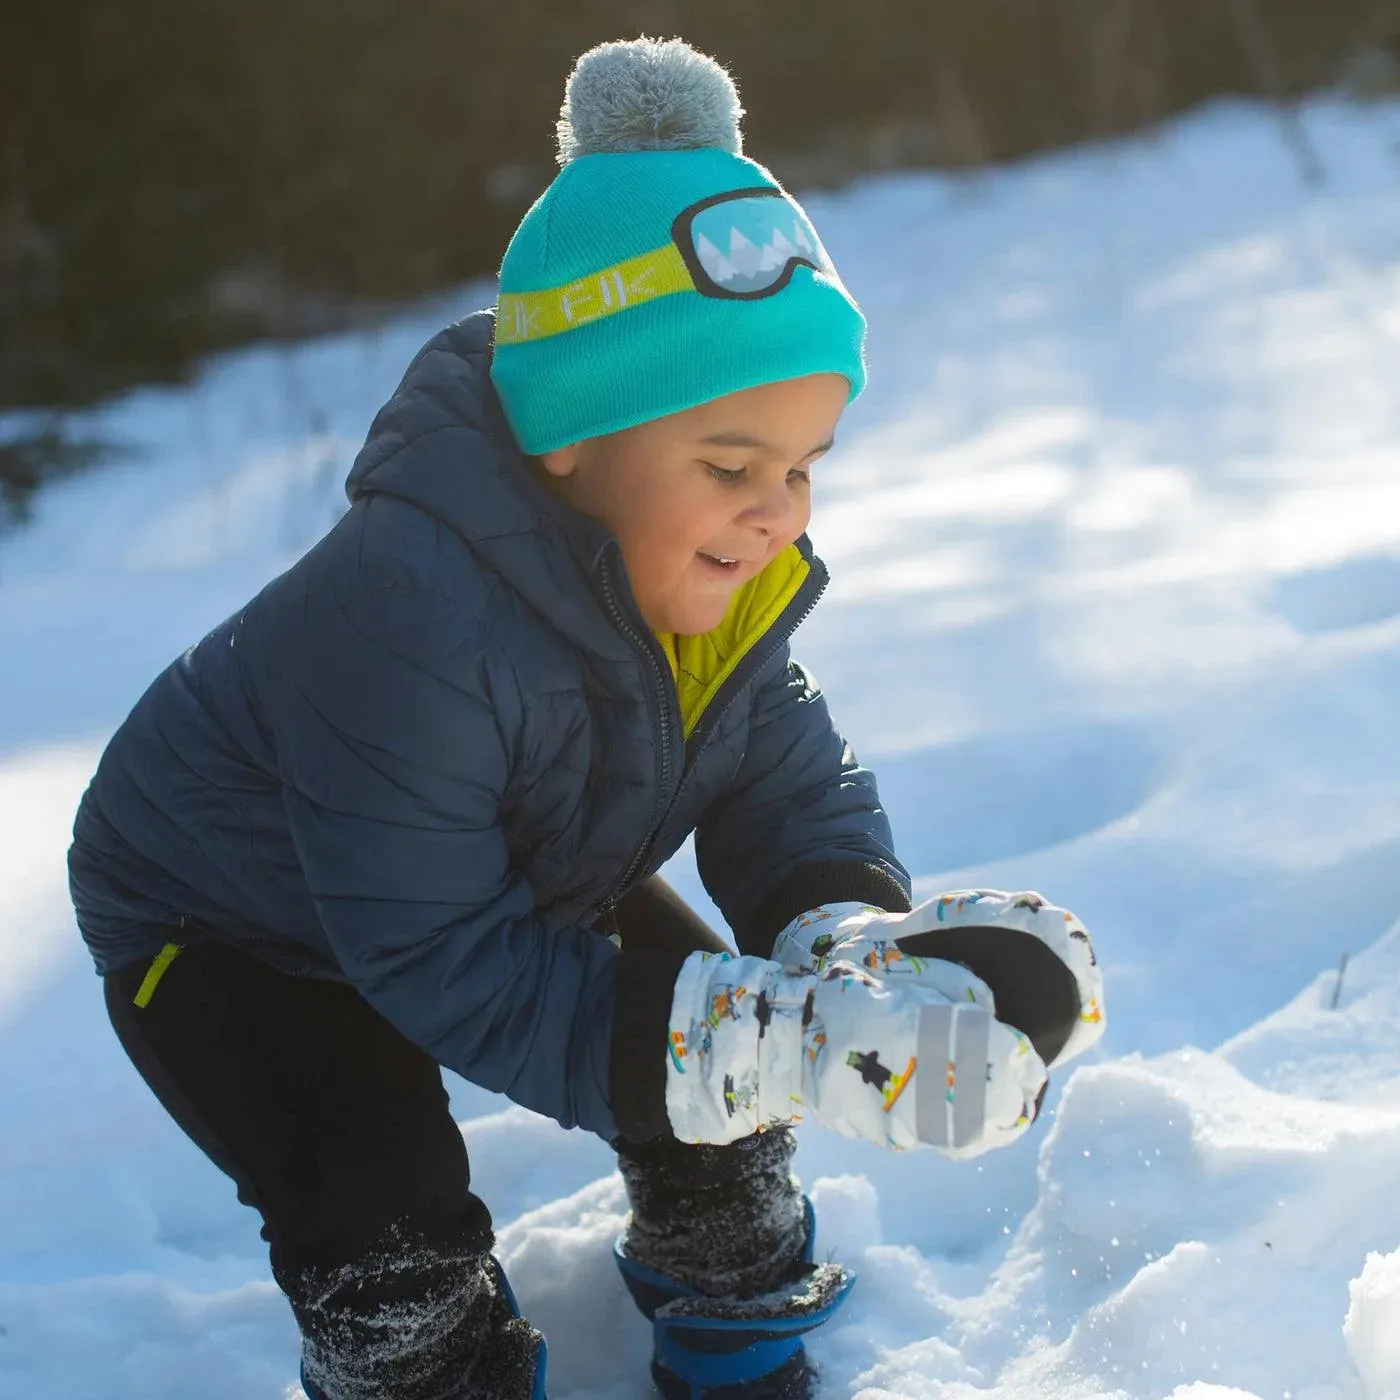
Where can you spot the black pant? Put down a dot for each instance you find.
(336, 1129)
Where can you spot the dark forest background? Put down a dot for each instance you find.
(181, 175)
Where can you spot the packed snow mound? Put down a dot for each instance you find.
(1338, 1032)
(1192, 1224)
(1372, 1328)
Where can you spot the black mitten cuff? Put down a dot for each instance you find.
(646, 984)
(819, 882)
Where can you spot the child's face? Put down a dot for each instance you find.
(724, 481)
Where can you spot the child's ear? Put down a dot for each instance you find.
(561, 461)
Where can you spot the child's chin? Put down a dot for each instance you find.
(694, 621)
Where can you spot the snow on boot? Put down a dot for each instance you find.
(504, 1360)
(731, 1348)
(515, 1363)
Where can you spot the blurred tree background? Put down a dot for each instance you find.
(180, 175)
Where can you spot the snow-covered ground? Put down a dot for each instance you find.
(1116, 615)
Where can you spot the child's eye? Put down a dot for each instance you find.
(729, 477)
(724, 474)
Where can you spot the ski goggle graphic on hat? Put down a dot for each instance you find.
(747, 243)
(737, 246)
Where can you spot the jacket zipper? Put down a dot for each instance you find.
(781, 631)
(665, 690)
(788, 623)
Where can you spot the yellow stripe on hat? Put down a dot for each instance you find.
(522, 316)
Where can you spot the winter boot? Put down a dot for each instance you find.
(529, 1356)
(503, 1360)
(730, 1348)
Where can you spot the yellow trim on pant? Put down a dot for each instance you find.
(160, 965)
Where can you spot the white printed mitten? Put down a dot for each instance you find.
(1028, 961)
(754, 1046)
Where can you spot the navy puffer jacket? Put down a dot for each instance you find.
(430, 756)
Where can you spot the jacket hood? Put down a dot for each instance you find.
(442, 443)
(487, 486)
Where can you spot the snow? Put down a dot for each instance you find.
(1370, 1329)
(1115, 534)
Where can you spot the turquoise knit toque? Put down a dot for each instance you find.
(661, 269)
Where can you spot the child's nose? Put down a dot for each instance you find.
(773, 510)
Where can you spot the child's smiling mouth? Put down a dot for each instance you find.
(719, 562)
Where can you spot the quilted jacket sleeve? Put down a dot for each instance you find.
(394, 722)
(801, 823)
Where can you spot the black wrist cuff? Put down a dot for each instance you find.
(646, 985)
(819, 882)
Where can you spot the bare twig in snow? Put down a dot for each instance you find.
(1263, 57)
(1341, 973)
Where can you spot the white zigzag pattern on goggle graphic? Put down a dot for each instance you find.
(748, 266)
(748, 244)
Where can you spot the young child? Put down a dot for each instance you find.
(405, 809)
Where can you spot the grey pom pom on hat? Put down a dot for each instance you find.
(647, 95)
